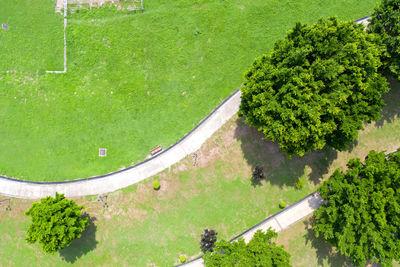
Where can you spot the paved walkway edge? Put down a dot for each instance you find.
(189, 144)
(278, 221)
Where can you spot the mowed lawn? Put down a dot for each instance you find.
(143, 227)
(34, 40)
(134, 81)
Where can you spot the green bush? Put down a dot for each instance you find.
(282, 205)
(182, 259)
(55, 223)
(156, 185)
(300, 183)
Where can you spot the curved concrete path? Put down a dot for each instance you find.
(189, 144)
(278, 221)
(117, 180)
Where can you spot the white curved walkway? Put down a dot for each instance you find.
(111, 182)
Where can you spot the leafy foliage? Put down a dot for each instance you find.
(282, 204)
(156, 185)
(300, 183)
(208, 240)
(316, 87)
(182, 259)
(362, 214)
(257, 175)
(260, 251)
(56, 222)
(385, 21)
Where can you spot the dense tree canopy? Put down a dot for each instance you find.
(316, 87)
(385, 21)
(56, 222)
(260, 251)
(362, 214)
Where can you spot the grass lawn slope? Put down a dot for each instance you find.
(134, 81)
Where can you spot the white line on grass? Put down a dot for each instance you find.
(65, 42)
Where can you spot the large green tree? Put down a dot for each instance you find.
(316, 87)
(260, 251)
(56, 222)
(361, 216)
(385, 21)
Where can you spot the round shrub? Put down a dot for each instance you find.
(182, 259)
(282, 205)
(156, 185)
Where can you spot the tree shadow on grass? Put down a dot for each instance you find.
(278, 168)
(392, 109)
(81, 246)
(326, 253)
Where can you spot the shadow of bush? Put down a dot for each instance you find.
(81, 246)
(278, 168)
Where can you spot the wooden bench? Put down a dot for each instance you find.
(156, 150)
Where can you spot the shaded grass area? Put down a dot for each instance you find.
(144, 227)
(34, 40)
(308, 250)
(136, 81)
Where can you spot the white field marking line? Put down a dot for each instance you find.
(65, 42)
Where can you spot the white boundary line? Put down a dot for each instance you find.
(65, 42)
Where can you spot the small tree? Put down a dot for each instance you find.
(208, 240)
(361, 216)
(257, 175)
(385, 21)
(56, 222)
(316, 87)
(260, 251)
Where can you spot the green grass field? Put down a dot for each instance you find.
(34, 40)
(134, 81)
(142, 227)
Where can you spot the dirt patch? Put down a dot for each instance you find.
(190, 189)
(180, 167)
(137, 214)
(13, 207)
(168, 189)
(208, 156)
(143, 192)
